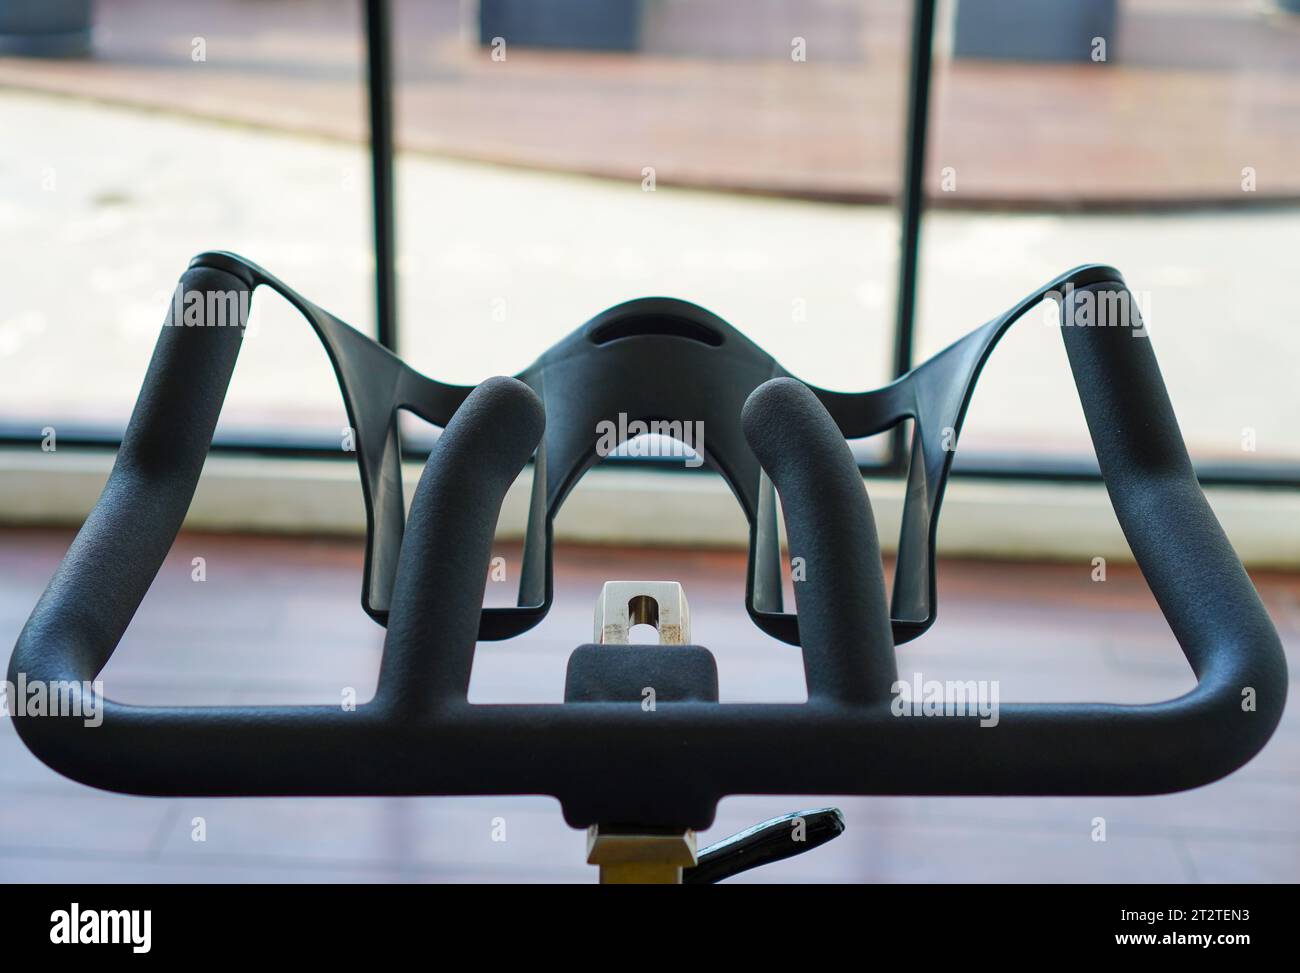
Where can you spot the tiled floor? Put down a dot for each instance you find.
(1191, 92)
(290, 608)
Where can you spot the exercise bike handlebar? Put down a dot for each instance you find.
(614, 761)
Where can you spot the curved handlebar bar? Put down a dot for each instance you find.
(614, 761)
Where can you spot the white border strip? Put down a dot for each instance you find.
(1018, 520)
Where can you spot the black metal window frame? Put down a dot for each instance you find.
(983, 465)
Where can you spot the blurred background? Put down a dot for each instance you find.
(242, 125)
(553, 158)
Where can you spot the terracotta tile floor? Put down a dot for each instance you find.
(1195, 91)
(288, 608)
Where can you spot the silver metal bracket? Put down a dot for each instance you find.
(623, 604)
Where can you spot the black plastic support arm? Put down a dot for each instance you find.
(615, 762)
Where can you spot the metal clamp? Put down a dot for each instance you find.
(661, 604)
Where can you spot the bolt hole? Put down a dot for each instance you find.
(643, 611)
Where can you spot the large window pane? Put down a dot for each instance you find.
(190, 127)
(1176, 159)
(772, 134)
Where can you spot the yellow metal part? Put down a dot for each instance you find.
(629, 858)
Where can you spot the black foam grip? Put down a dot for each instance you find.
(844, 627)
(442, 568)
(118, 551)
(1196, 577)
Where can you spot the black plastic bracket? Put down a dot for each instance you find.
(706, 371)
